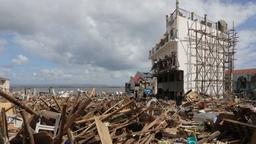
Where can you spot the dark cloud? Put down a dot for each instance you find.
(114, 37)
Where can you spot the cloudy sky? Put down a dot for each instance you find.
(100, 41)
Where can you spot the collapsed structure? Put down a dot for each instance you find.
(91, 118)
(140, 82)
(193, 54)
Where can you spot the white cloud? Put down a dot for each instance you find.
(113, 38)
(103, 39)
(78, 75)
(20, 60)
(219, 9)
(246, 52)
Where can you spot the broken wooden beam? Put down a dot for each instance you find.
(4, 125)
(209, 138)
(16, 102)
(57, 103)
(104, 118)
(27, 127)
(103, 132)
(70, 136)
(239, 123)
(58, 138)
(48, 105)
(72, 117)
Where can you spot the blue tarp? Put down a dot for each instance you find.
(148, 91)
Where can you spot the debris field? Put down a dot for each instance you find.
(93, 118)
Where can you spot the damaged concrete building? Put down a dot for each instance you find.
(244, 82)
(4, 84)
(193, 54)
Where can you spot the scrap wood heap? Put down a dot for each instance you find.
(90, 118)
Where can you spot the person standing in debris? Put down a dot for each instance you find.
(136, 89)
(136, 94)
(178, 98)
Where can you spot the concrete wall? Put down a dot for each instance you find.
(186, 55)
(166, 49)
(171, 86)
(250, 82)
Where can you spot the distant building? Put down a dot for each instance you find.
(244, 80)
(141, 80)
(4, 84)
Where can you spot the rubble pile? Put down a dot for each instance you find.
(93, 118)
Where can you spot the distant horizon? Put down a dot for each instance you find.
(66, 85)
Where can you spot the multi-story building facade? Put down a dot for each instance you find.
(193, 54)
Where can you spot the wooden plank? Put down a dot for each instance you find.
(70, 136)
(9, 108)
(92, 94)
(58, 138)
(156, 121)
(57, 103)
(104, 118)
(48, 105)
(27, 127)
(210, 137)
(4, 124)
(72, 117)
(88, 117)
(103, 132)
(121, 101)
(240, 123)
(148, 139)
